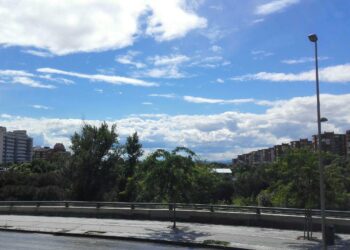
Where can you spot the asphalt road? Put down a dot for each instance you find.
(30, 241)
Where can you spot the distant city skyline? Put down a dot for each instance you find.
(220, 77)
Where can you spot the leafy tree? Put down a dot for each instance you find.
(94, 162)
(249, 182)
(133, 150)
(337, 179)
(167, 176)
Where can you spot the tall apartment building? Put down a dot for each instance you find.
(331, 142)
(338, 144)
(15, 146)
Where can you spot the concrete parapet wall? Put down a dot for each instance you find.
(280, 221)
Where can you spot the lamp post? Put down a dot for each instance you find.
(313, 38)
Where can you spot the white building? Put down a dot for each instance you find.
(15, 146)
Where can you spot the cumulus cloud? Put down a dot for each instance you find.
(112, 79)
(214, 137)
(172, 19)
(332, 74)
(274, 6)
(94, 25)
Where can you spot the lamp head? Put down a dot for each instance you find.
(323, 119)
(313, 38)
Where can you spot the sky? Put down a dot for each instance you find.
(221, 77)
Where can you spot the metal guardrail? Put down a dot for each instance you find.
(179, 206)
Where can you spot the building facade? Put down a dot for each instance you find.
(331, 142)
(15, 146)
(48, 154)
(338, 144)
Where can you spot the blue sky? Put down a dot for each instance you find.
(221, 77)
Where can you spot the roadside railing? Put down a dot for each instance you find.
(179, 206)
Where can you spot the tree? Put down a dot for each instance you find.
(134, 151)
(96, 155)
(167, 176)
(294, 180)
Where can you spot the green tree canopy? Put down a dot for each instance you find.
(94, 162)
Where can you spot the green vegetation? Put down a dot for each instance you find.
(102, 169)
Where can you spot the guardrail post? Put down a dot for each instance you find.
(38, 204)
(132, 206)
(170, 207)
(211, 209)
(66, 204)
(258, 212)
(98, 205)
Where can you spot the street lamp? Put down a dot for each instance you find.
(313, 39)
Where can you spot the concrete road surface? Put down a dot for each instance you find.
(33, 241)
(234, 236)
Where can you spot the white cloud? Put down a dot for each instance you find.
(172, 19)
(201, 100)
(274, 6)
(214, 33)
(215, 48)
(12, 73)
(128, 58)
(219, 80)
(30, 79)
(165, 67)
(166, 72)
(260, 54)
(118, 80)
(169, 96)
(99, 91)
(303, 60)
(147, 103)
(38, 53)
(259, 20)
(23, 78)
(169, 60)
(31, 83)
(216, 7)
(94, 25)
(37, 106)
(214, 137)
(332, 74)
(209, 62)
(56, 79)
(194, 99)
